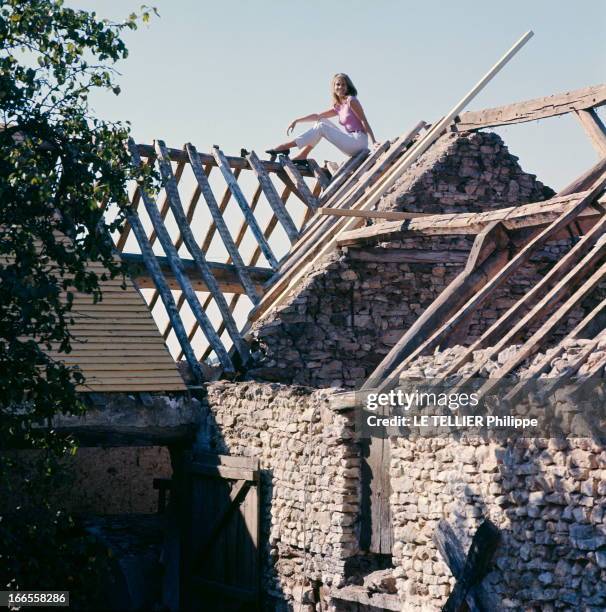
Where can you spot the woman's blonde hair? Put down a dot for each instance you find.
(351, 88)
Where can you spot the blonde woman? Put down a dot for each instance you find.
(350, 138)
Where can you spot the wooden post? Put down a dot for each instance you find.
(273, 198)
(594, 128)
(243, 204)
(177, 268)
(295, 176)
(176, 207)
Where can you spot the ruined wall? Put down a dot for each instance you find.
(351, 310)
(473, 172)
(309, 479)
(548, 497)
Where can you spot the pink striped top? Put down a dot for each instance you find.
(347, 118)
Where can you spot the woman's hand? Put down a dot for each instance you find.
(291, 127)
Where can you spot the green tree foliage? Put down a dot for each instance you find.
(58, 161)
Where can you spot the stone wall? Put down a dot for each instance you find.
(353, 308)
(548, 497)
(309, 480)
(473, 172)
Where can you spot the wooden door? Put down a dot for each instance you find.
(220, 533)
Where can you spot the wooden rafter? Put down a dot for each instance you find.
(531, 110)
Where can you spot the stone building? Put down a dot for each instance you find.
(435, 256)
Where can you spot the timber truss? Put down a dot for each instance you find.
(317, 213)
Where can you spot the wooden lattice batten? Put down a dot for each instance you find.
(191, 274)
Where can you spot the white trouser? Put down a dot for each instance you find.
(347, 142)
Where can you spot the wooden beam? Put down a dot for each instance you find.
(213, 207)
(320, 174)
(544, 364)
(174, 201)
(226, 275)
(534, 214)
(295, 176)
(487, 258)
(175, 263)
(568, 268)
(594, 128)
(236, 163)
(512, 266)
(532, 345)
(287, 278)
(244, 206)
(273, 198)
(531, 110)
(369, 214)
(345, 172)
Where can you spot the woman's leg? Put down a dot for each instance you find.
(347, 143)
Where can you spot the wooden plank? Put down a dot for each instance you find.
(531, 110)
(594, 128)
(176, 266)
(176, 208)
(224, 471)
(295, 176)
(533, 344)
(164, 208)
(487, 290)
(345, 172)
(567, 269)
(226, 275)
(222, 228)
(370, 214)
(273, 198)
(486, 259)
(244, 207)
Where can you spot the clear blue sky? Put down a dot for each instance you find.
(236, 73)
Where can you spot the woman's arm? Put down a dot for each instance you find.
(331, 112)
(356, 107)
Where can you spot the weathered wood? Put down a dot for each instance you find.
(586, 180)
(213, 207)
(594, 128)
(226, 274)
(174, 201)
(244, 207)
(487, 258)
(320, 174)
(295, 176)
(407, 256)
(345, 172)
(514, 264)
(165, 206)
(370, 214)
(237, 163)
(152, 265)
(134, 204)
(531, 110)
(567, 268)
(483, 546)
(273, 198)
(176, 266)
(533, 344)
(534, 214)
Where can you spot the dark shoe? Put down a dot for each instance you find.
(302, 163)
(278, 152)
